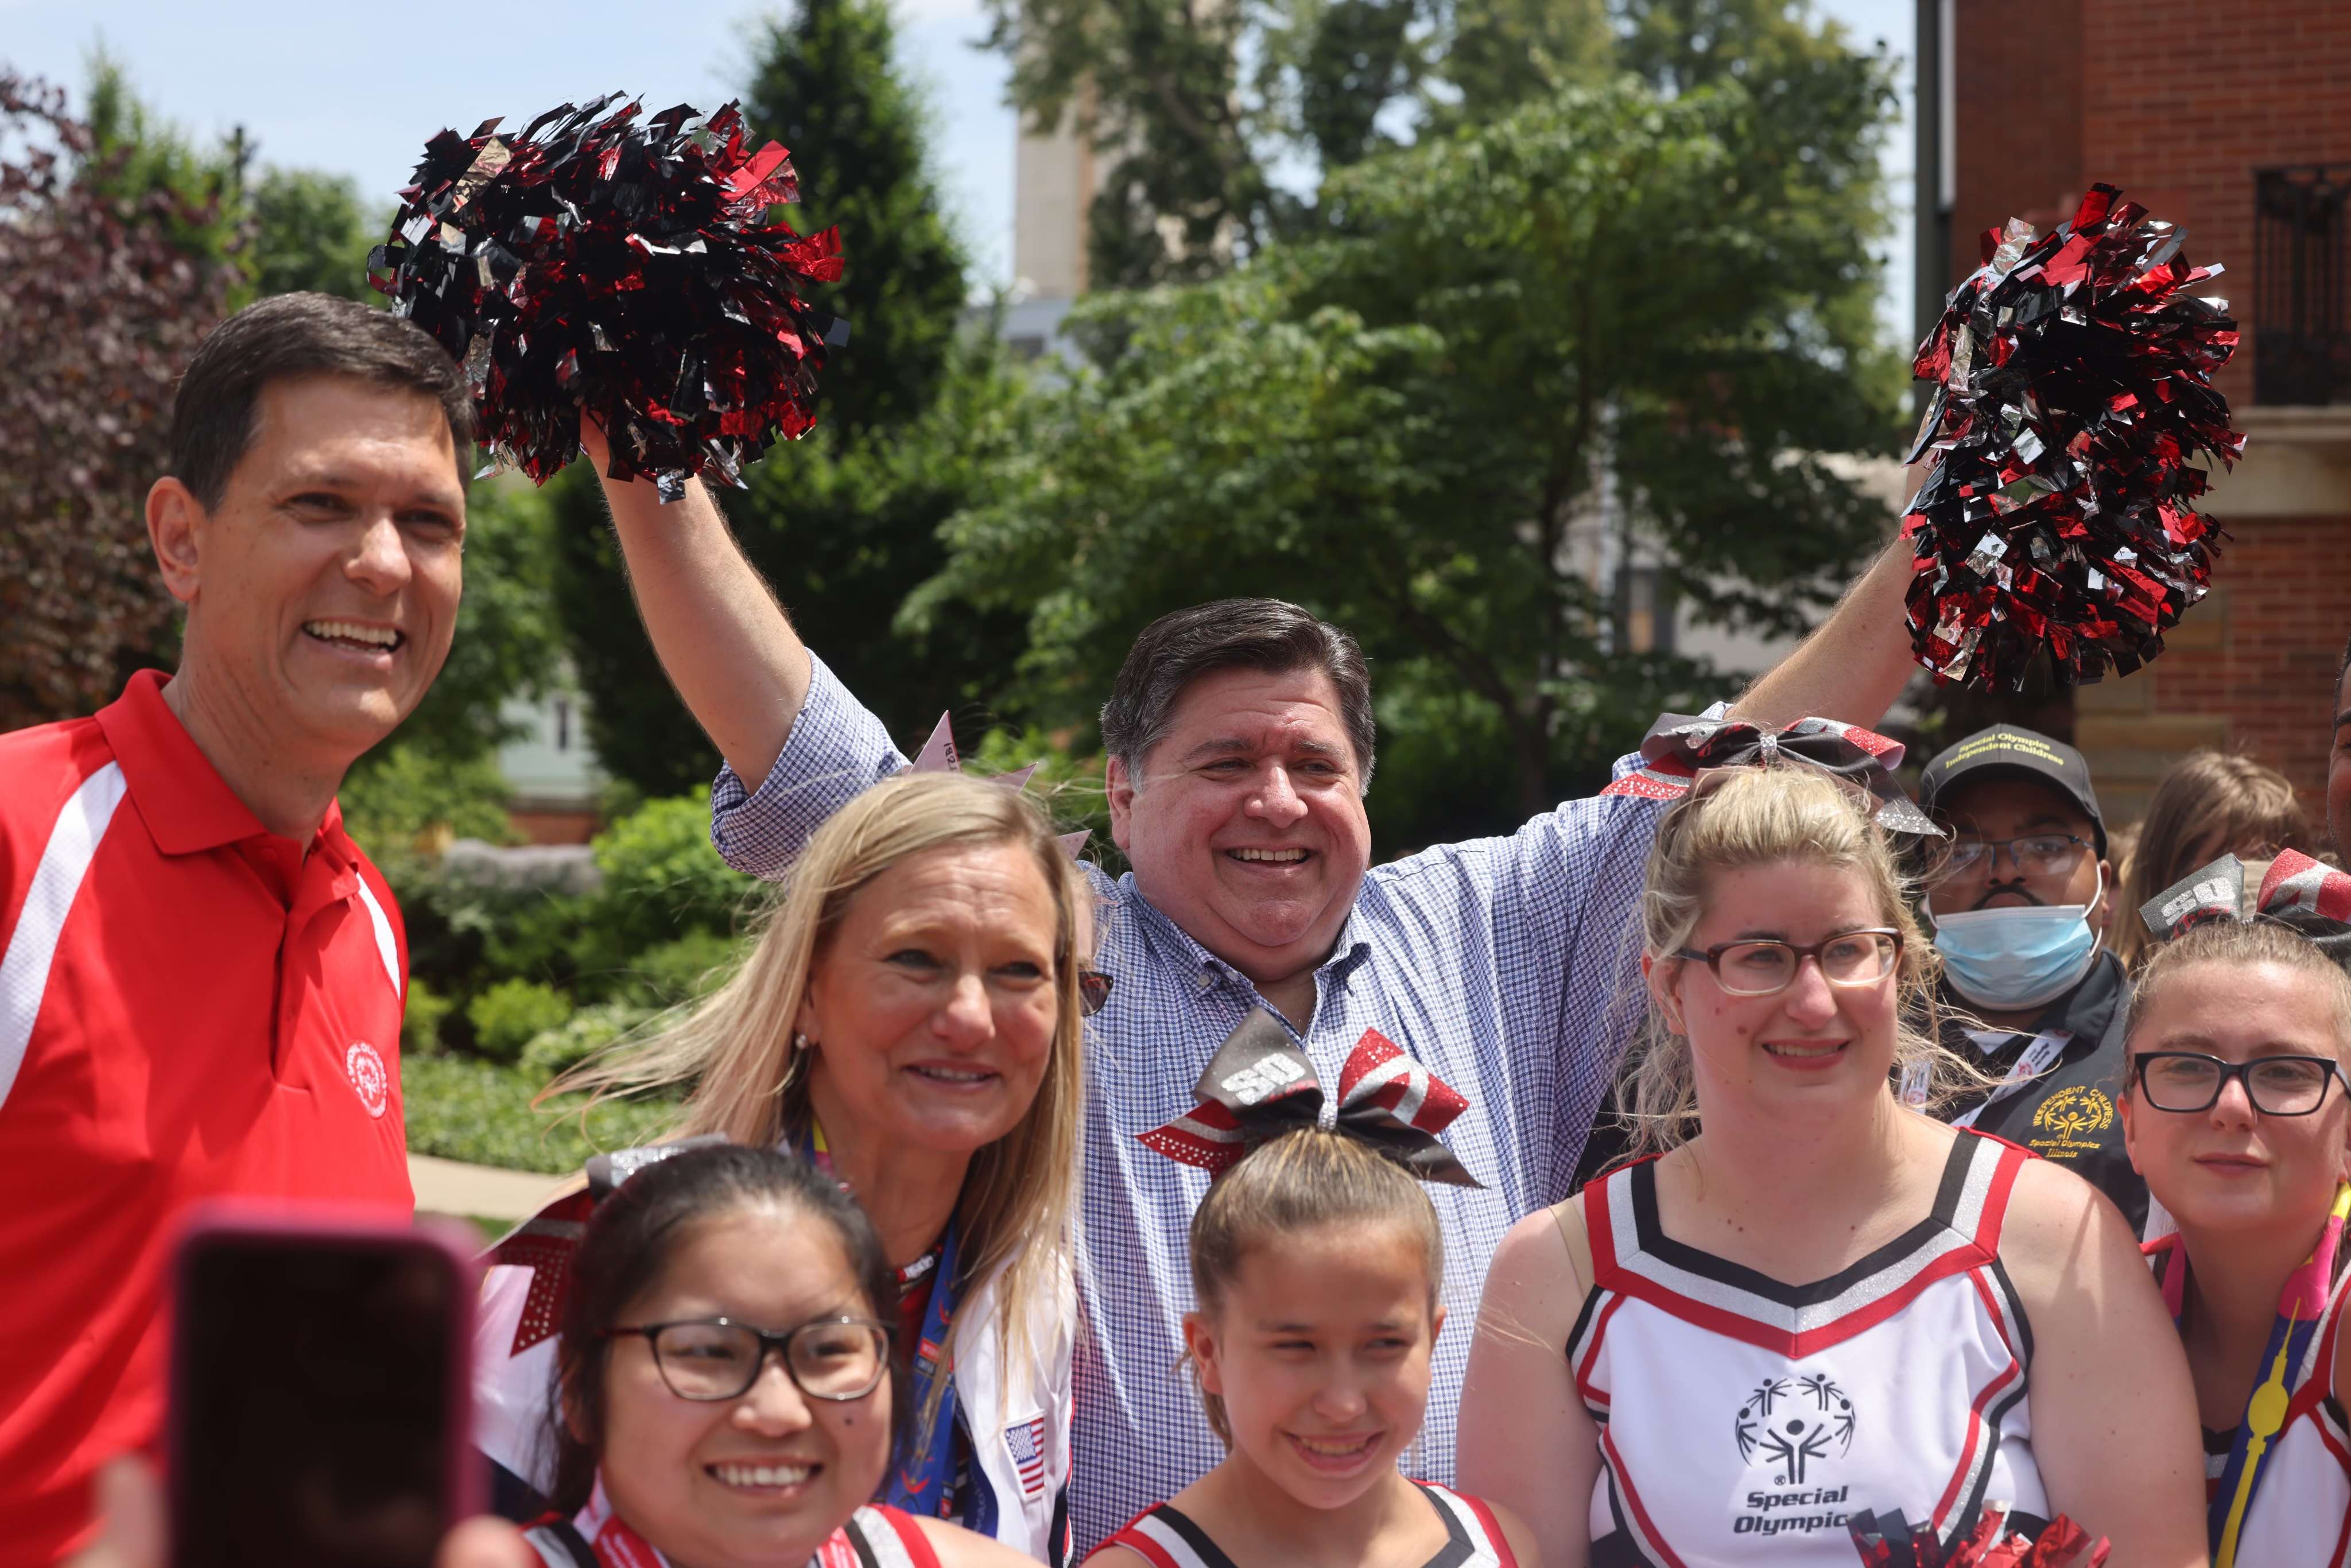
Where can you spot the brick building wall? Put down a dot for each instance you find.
(2017, 106)
(2178, 102)
(2252, 669)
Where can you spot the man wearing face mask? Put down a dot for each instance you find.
(2018, 911)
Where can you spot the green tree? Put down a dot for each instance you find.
(136, 152)
(508, 642)
(845, 524)
(283, 230)
(1194, 108)
(311, 231)
(1631, 289)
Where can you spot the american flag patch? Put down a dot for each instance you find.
(1027, 1442)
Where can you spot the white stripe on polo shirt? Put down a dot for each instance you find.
(386, 947)
(25, 969)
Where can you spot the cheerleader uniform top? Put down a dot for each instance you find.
(876, 1536)
(1742, 1420)
(2300, 1512)
(1166, 1537)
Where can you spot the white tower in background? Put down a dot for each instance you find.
(1053, 183)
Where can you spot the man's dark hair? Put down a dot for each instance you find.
(292, 335)
(1268, 635)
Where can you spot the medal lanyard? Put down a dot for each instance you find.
(920, 1485)
(2302, 1307)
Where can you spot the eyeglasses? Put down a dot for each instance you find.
(1094, 990)
(1762, 968)
(839, 1359)
(2035, 854)
(2188, 1080)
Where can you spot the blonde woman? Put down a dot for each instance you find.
(1815, 1301)
(907, 1020)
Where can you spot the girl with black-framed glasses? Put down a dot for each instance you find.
(2236, 1111)
(726, 1387)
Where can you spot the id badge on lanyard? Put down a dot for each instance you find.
(2038, 1058)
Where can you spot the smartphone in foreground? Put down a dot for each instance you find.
(321, 1398)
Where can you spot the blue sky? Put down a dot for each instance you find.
(358, 89)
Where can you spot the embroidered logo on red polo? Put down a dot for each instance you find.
(369, 1079)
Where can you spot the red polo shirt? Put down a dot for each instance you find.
(190, 1006)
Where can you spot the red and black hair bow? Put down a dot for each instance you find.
(2307, 895)
(1260, 1085)
(1679, 746)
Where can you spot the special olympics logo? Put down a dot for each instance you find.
(369, 1080)
(1790, 1422)
(2075, 1112)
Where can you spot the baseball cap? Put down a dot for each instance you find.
(2014, 750)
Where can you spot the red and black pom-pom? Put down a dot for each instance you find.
(628, 267)
(1885, 1541)
(2073, 381)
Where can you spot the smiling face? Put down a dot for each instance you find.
(1247, 827)
(1809, 1045)
(2001, 809)
(2231, 1170)
(322, 590)
(931, 1006)
(767, 1477)
(1320, 1350)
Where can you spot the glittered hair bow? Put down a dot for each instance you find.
(1679, 747)
(1260, 1085)
(2307, 895)
(939, 756)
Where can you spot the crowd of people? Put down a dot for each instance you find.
(1243, 1208)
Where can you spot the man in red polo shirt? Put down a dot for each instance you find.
(201, 975)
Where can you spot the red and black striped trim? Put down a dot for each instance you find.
(1633, 1256)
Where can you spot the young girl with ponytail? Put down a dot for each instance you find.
(1316, 1264)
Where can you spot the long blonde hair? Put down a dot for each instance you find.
(1755, 816)
(735, 1046)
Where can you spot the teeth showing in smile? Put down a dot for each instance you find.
(949, 1075)
(1332, 1448)
(1278, 857)
(763, 1475)
(352, 632)
(1829, 1048)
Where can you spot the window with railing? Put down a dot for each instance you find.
(2302, 353)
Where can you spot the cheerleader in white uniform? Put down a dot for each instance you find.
(1816, 1302)
(1316, 1263)
(726, 1388)
(2237, 1115)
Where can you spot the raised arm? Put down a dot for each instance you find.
(1525, 1441)
(724, 640)
(1853, 665)
(2114, 1414)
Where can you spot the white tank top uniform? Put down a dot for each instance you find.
(1168, 1538)
(1742, 1420)
(2300, 1512)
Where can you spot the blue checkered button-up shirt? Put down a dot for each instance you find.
(1505, 965)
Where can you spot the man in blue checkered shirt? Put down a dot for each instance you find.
(1240, 742)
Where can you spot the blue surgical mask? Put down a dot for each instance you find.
(2017, 955)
